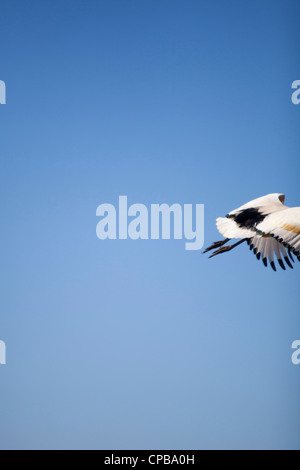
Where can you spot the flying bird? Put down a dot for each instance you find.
(271, 229)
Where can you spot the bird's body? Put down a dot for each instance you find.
(269, 227)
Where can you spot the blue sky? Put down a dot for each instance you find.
(140, 344)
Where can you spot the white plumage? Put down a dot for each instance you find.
(270, 228)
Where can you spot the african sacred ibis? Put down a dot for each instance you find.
(267, 225)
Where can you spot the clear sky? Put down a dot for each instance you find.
(125, 344)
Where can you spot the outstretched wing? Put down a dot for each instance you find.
(271, 229)
(268, 248)
(284, 228)
(242, 222)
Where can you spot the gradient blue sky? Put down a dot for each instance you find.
(141, 344)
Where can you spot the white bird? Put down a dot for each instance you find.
(267, 225)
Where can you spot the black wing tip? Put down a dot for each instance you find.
(288, 262)
(273, 266)
(281, 264)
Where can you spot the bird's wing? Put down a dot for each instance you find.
(270, 228)
(229, 228)
(284, 227)
(242, 222)
(264, 205)
(268, 248)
